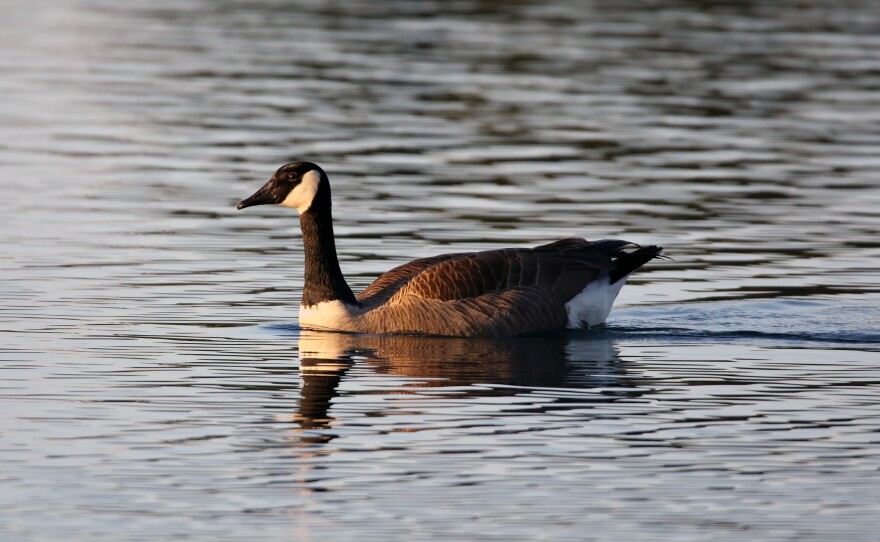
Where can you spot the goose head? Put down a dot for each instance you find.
(297, 185)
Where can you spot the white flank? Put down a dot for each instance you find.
(328, 315)
(592, 306)
(301, 197)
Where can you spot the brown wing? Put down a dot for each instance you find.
(389, 282)
(561, 269)
(495, 314)
(495, 293)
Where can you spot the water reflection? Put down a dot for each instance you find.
(470, 367)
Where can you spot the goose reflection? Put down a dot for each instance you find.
(474, 367)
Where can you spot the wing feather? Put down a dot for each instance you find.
(389, 282)
(562, 268)
(492, 293)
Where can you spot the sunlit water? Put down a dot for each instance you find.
(156, 386)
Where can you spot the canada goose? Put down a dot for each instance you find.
(495, 293)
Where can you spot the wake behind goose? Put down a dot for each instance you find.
(570, 283)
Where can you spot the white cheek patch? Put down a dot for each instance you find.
(301, 197)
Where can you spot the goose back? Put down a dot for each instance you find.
(491, 293)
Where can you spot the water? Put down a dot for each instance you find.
(155, 383)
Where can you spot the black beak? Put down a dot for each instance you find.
(262, 196)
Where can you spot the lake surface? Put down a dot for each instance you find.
(155, 384)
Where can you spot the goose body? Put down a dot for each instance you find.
(571, 283)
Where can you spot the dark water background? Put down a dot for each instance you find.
(155, 385)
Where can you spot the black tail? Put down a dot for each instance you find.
(626, 262)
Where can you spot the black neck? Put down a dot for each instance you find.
(324, 280)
